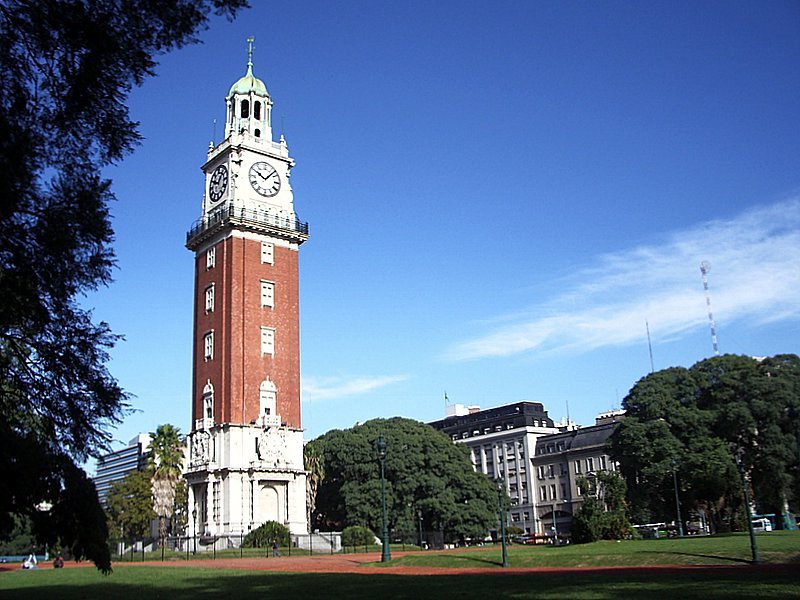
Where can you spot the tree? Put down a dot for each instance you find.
(694, 421)
(66, 69)
(602, 515)
(315, 473)
(166, 460)
(129, 506)
(425, 472)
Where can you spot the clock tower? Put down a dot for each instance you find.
(245, 463)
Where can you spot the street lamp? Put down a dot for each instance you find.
(501, 511)
(677, 502)
(380, 445)
(753, 545)
(194, 524)
(419, 514)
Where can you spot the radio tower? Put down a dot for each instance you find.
(705, 267)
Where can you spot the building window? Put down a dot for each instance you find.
(577, 467)
(551, 472)
(267, 294)
(208, 345)
(257, 109)
(208, 401)
(563, 490)
(562, 469)
(543, 493)
(541, 471)
(267, 252)
(267, 341)
(553, 491)
(602, 463)
(210, 298)
(267, 398)
(245, 109)
(211, 257)
(589, 465)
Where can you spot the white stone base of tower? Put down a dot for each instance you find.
(241, 476)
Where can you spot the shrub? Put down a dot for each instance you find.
(357, 535)
(266, 534)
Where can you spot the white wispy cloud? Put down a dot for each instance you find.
(325, 388)
(755, 275)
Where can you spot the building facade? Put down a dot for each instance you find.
(559, 460)
(502, 443)
(115, 466)
(245, 463)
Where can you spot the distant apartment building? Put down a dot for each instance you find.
(115, 466)
(537, 460)
(560, 459)
(502, 443)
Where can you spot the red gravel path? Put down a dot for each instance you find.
(357, 563)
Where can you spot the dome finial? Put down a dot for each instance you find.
(250, 41)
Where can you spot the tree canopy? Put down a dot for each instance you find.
(425, 472)
(66, 69)
(696, 422)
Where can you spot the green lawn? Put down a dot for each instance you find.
(179, 583)
(775, 547)
(773, 581)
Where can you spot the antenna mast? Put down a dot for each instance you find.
(705, 267)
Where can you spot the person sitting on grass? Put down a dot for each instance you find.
(30, 562)
(58, 563)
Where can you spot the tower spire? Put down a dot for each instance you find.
(250, 41)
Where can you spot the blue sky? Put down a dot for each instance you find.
(500, 197)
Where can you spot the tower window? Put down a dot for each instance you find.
(267, 341)
(210, 298)
(257, 110)
(208, 345)
(208, 401)
(267, 252)
(267, 398)
(257, 133)
(211, 257)
(267, 294)
(245, 109)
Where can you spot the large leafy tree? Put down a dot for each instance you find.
(166, 461)
(425, 472)
(129, 506)
(695, 422)
(66, 69)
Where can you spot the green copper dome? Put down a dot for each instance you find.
(249, 83)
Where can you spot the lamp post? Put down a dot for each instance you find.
(501, 511)
(419, 514)
(753, 545)
(677, 501)
(380, 445)
(194, 525)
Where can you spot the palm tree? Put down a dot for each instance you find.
(166, 460)
(315, 472)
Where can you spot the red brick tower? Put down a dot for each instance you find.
(245, 464)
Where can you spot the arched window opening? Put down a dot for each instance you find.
(257, 110)
(267, 399)
(245, 109)
(208, 401)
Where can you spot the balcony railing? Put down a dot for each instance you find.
(245, 218)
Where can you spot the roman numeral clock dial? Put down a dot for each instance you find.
(265, 179)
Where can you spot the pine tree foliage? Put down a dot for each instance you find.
(66, 69)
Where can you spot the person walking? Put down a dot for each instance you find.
(275, 549)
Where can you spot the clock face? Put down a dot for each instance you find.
(218, 183)
(265, 179)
